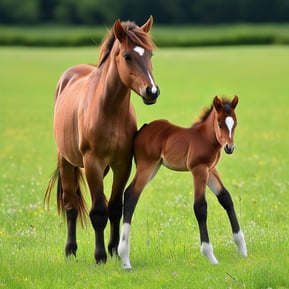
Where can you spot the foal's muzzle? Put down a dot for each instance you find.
(152, 94)
(229, 148)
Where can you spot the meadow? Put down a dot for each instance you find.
(164, 238)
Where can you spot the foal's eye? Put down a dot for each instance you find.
(127, 57)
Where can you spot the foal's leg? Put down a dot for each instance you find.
(215, 184)
(200, 175)
(120, 177)
(98, 214)
(68, 201)
(131, 196)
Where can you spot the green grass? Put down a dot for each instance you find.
(164, 237)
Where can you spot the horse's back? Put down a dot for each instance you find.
(73, 75)
(151, 137)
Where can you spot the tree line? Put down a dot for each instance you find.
(104, 12)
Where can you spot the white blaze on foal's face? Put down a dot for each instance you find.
(229, 121)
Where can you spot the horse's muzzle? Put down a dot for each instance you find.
(229, 148)
(152, 94)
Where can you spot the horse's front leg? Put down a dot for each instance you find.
(94, 171)
(200, 175)
(224, 197)
(120, 177)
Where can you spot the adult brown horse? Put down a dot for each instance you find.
(94, 126)
(196, 149)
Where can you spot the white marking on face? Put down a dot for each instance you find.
(229, 121)
(139, 50)
(154, 88)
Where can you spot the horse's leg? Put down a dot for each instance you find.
(131, 196)
(216, 185)
(94, 171)
(68, 201)
(120, 177)
(200, 175)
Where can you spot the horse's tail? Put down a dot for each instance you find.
(81, 204)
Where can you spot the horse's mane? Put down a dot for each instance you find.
(134, 34)
(207, 111)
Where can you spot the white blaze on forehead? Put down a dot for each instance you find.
(229, 121)
(139, 50)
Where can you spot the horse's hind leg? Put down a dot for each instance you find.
(94, 172)
(68, 190)
(224, 197)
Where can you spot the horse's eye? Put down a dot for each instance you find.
(220, 125)
(127, 57)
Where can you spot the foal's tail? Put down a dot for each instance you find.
(81, 205)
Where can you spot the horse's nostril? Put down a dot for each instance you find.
(229, 149)
(153, 92)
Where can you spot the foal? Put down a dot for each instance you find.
(196, 149)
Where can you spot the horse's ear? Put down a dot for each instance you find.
(217, 103)
(234, 101)
(148, 25)
(118, 31)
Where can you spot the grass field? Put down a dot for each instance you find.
(164, 237)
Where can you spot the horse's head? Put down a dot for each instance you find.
(225, 122)
(133, 58)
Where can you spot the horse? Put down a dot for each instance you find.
(196, 149)
(94, 127)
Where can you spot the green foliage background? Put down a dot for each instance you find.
(165, 11)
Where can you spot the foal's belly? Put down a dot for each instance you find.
(175, 164)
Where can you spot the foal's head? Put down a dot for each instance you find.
(225, 122)
(133, 51)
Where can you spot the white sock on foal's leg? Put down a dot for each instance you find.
(240, 241)
(207, 250)
(123, 246)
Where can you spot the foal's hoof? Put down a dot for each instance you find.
(70, 249)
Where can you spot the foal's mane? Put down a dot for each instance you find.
(133, 33)
(207, 111)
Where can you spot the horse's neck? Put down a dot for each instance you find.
(210, 128)
(114, 94)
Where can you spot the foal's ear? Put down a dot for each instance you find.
(118, 31)
(234, 101)
(148, 25)
(217, 103)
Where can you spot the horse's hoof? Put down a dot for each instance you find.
(70, 249)
(207, 251)
(100, 258)
(126, 266)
